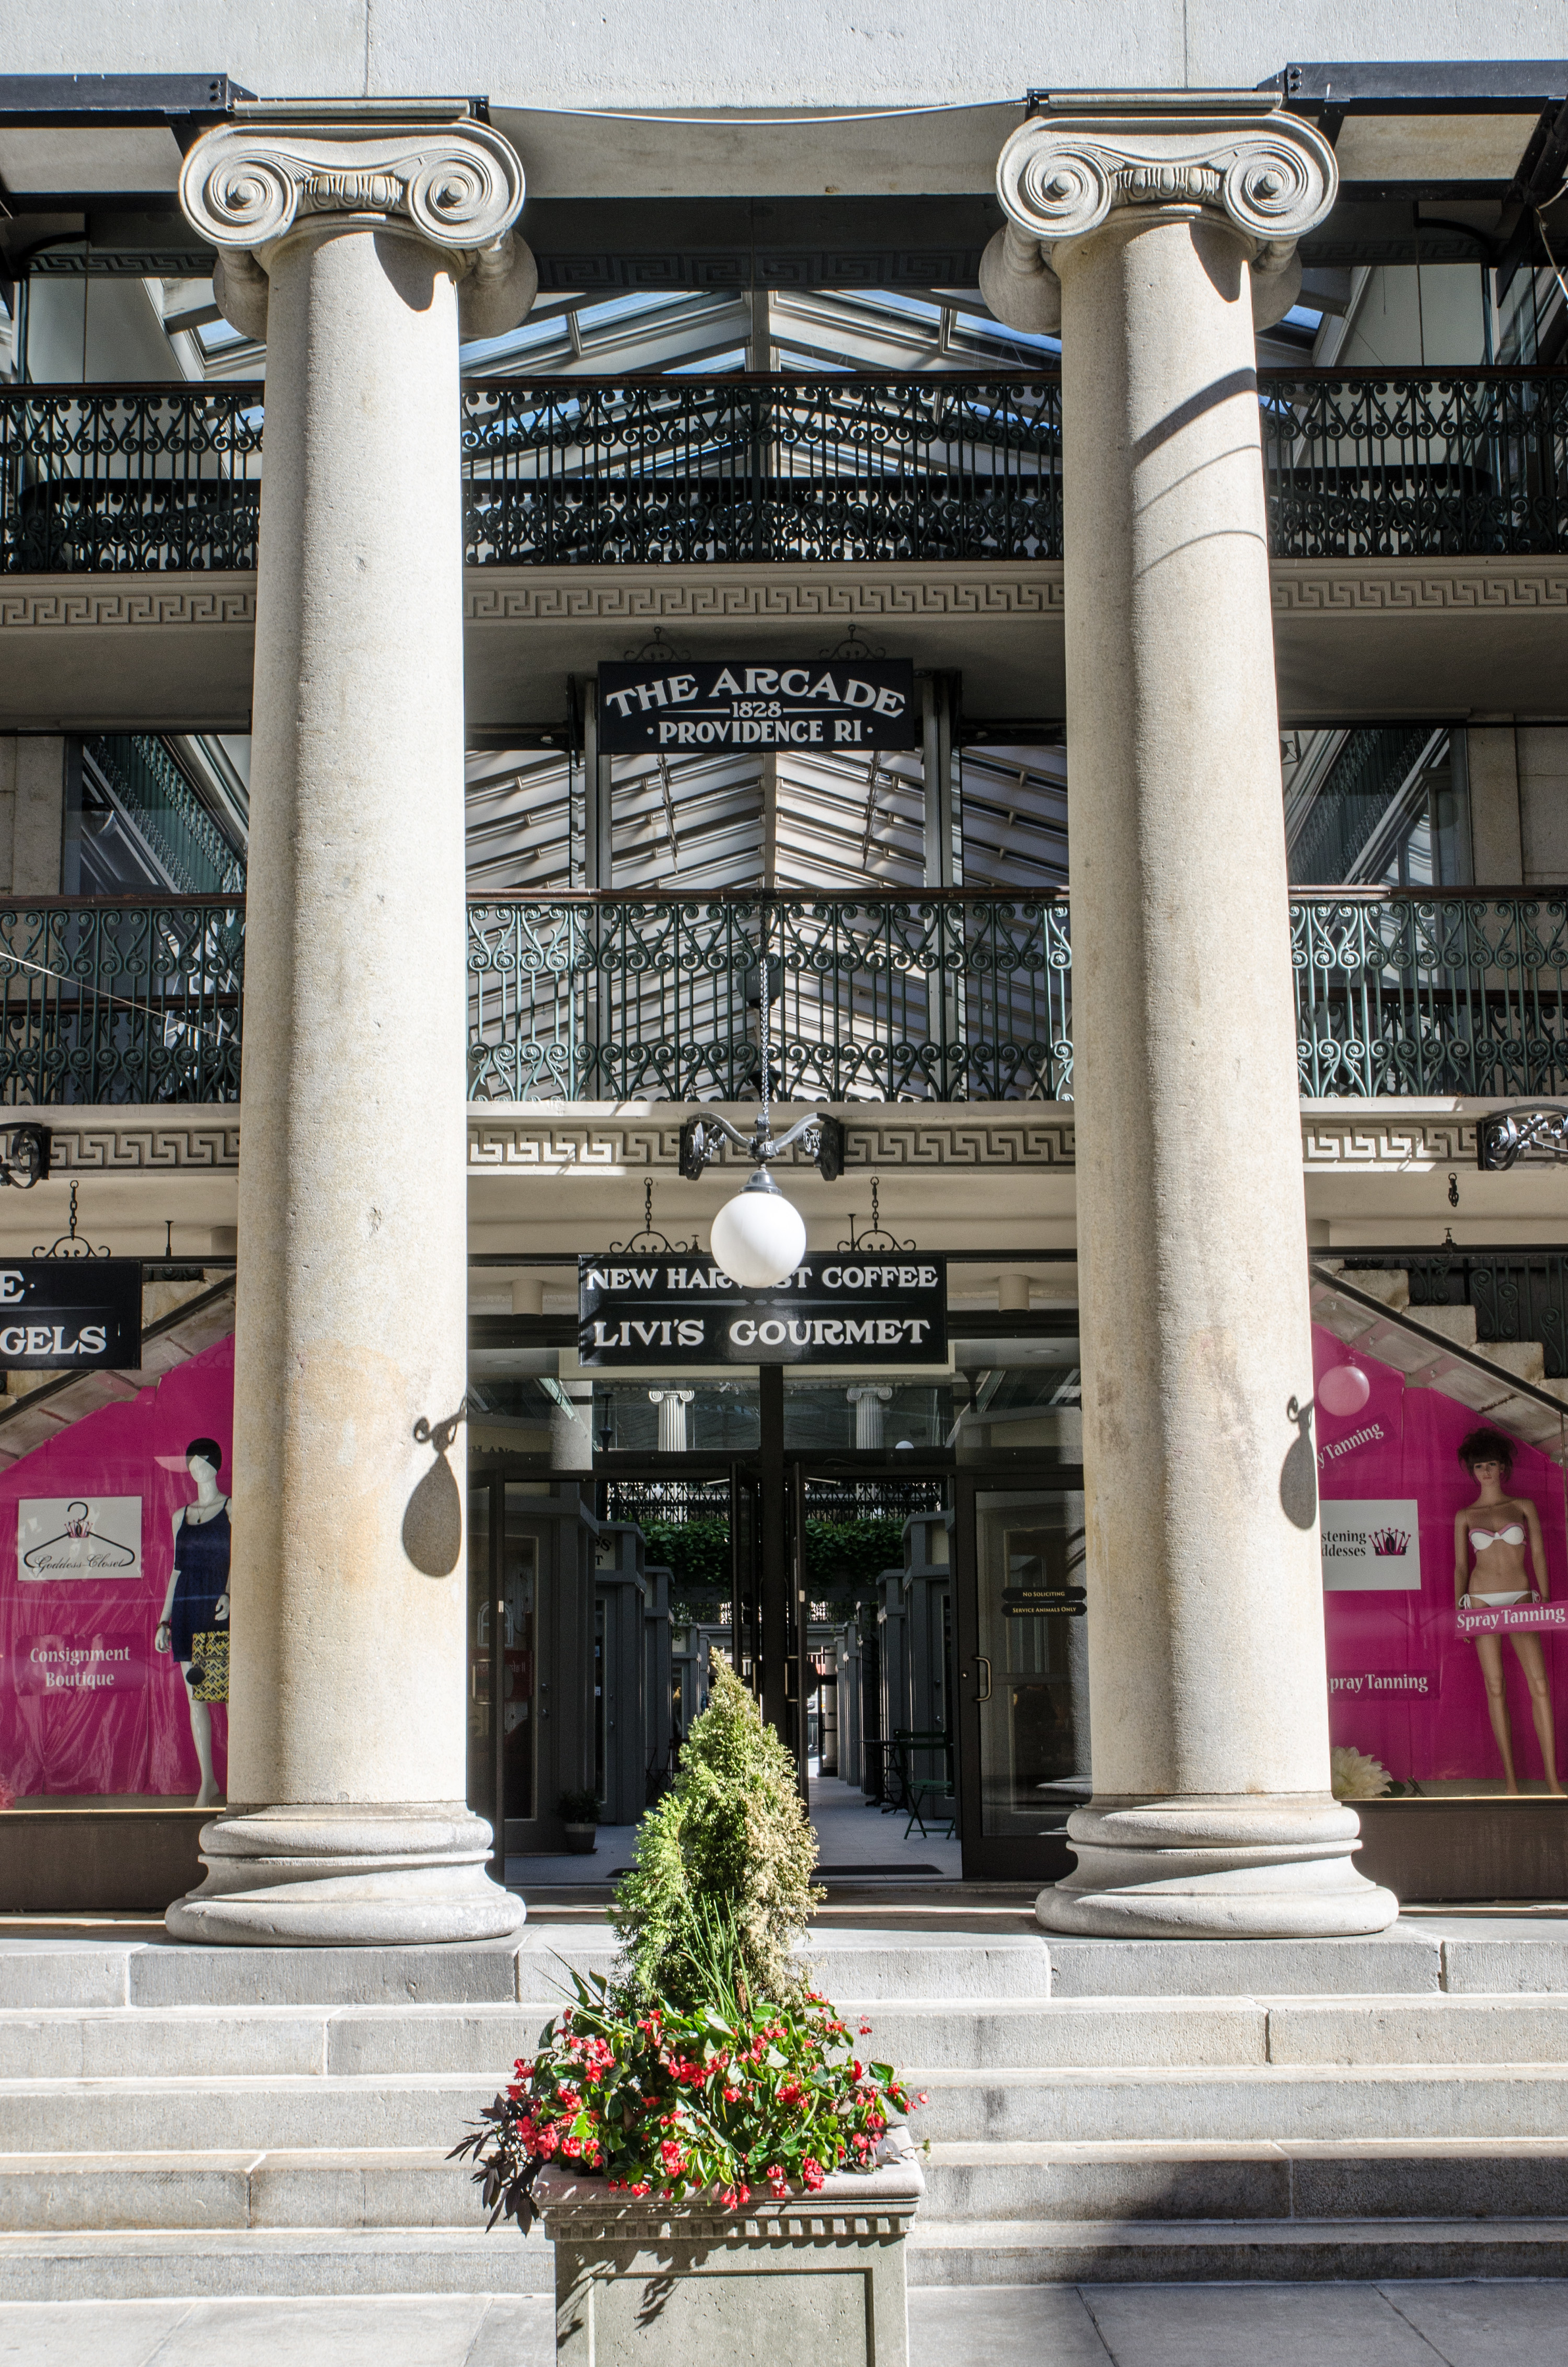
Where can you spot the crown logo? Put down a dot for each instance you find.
(1390, 1541)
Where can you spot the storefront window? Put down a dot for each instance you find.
(114, 1557)
(1445, 1572)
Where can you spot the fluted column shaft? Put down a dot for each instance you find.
(1211, 1810)
(348, 1820)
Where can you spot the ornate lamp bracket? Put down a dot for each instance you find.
(1537, 1129)
(23, 1155)
(1234, 155)
(703, 1139)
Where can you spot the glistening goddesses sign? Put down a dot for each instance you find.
(827, 703)
(835, 1310)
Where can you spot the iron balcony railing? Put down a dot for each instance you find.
(564, 472)
(133, 1001)
(960, 996)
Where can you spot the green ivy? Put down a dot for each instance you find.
(843, 1558)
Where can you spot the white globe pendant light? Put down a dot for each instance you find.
(759, 1237)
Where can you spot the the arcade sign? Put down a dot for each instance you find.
(831, 704)
(70, 1315)
(844, 1309)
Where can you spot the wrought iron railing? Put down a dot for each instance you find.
(958, 996)
(134, 1000)
(1408, 991)
(132, 480)
(569, 471)
(1399, 464)
(583, 471)
(951, 996)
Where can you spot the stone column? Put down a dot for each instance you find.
(1162, 229)
(352, 239)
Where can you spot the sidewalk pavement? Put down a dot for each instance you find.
(1390, 2324)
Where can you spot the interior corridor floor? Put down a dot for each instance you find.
(857, 1841)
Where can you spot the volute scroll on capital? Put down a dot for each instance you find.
(1270, 176)
(457, 184)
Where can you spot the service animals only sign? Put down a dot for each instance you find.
(839, 1310)
(826, 703)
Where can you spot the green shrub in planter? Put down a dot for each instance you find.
(706, 2066)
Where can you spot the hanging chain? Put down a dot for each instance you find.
(766, 1032)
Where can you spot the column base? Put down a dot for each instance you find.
(1276, 1868)
(361, 1875)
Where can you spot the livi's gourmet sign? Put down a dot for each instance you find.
(836, 1310)
(827, 703)
(70, 1314)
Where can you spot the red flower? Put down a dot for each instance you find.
(673, 2158)
(791, 2092)
(811, 2172)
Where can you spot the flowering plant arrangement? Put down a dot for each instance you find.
(729, 2098)
(706, 2066)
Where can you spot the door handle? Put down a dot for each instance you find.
(981, 1663)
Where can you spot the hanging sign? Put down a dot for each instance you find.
(828, 704)
(71, 1314)
(844, 1309)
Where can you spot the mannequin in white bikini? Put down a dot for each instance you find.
(1498, 1529)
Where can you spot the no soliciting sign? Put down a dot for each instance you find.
(836, 1310)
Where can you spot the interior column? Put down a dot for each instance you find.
(343, 239)
(1166, 223)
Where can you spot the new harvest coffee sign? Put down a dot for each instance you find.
(60, 1314)
(826, 703)
(838, 1310)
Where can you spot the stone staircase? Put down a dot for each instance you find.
(183, 2121)
(1419, 1345)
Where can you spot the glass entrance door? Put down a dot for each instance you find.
(1023, 1690)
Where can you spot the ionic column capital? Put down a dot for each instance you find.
(1063, 174)
(435, 172)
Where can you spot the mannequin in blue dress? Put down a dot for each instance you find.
(198, 1596)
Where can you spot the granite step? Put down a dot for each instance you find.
(1517, 2178)
(1263, 2103)
(199, 2263)
(960, 2031)
(1438, 2178)
(1033, 2251)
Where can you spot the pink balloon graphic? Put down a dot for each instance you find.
(1344, 1389)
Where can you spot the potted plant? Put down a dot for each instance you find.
(698, 2127)
(579, 1813)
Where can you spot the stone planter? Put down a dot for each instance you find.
(582, 1841)
(816, 2281)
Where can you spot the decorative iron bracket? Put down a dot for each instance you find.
(646, 1242)
(876, 1236)
(703, 1139)
(70, 1244)
(439, 1434)
(24, 1157)
(1505, 1137)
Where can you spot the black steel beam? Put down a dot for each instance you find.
(39, 99)
(1423, 86)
